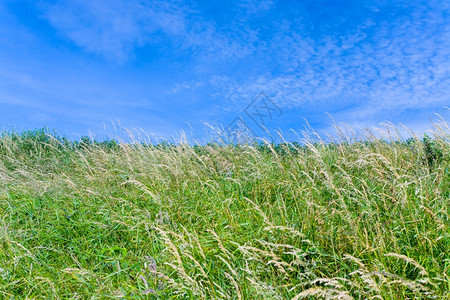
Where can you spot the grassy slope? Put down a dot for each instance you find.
(361, 220)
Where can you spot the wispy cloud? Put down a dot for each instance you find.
(383, 68)
(114, 28)
(374, 61)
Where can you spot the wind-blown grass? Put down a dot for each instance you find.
(362, 220)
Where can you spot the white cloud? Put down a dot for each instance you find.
(114, 28)
(256, 6)
(382, 69)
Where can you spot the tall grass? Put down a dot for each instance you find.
(366, 218)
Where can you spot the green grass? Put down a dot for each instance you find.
(366, 219)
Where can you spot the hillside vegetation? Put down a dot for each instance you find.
(361, 218)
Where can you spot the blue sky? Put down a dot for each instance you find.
(167, 66)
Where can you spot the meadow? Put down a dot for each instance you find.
(364, 217)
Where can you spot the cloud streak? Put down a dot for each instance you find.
(113, 29)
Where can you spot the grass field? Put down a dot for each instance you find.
(347, 219)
